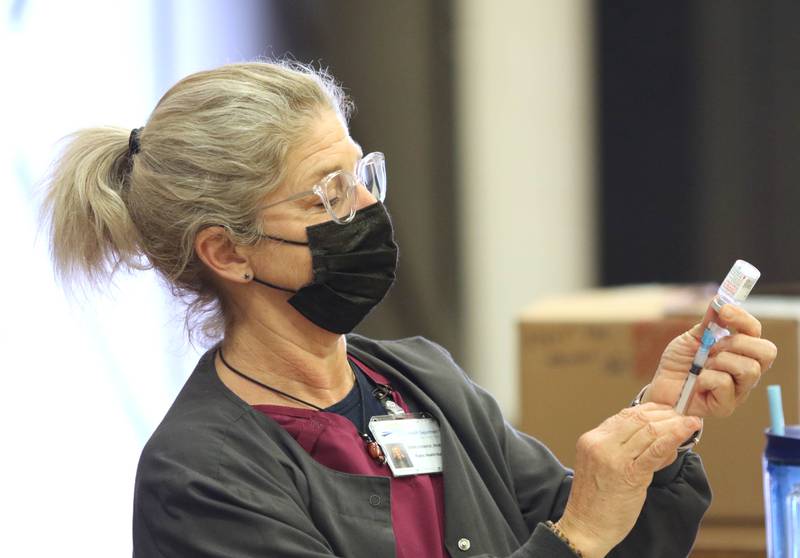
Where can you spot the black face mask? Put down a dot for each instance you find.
(353, 268)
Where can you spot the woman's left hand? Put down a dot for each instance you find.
(734, 367)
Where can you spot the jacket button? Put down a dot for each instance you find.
(374, 500)
(464, 544)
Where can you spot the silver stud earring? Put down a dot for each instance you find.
(247, 276)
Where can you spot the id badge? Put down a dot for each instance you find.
(412, 443)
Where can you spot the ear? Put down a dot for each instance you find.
(222, 256)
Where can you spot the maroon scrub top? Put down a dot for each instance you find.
(333, 441)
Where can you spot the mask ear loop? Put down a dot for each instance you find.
(273, 286)
(351, 196)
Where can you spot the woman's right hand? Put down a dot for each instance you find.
(614, 466)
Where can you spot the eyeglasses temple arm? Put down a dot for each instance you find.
(290, 198)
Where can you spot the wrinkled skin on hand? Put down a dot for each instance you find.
(734, 367)
(614, 465)
(616, 461)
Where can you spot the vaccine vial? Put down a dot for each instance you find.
(737, 285)
(734, 290)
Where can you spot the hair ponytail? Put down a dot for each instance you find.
(91, 231)
(213, 147)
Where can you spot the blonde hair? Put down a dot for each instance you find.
(213, 147)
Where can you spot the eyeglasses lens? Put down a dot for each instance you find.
(341, 194)
(373, 176)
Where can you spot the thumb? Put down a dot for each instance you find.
(709, 316)
(698, 329)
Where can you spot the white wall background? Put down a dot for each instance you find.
(525, 128)
(85, 382)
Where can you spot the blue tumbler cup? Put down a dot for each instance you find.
(782, 493)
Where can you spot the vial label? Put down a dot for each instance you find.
(744, 290)
(737, 285)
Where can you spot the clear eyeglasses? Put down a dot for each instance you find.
(337, 191)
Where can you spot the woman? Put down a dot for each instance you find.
(246, 193)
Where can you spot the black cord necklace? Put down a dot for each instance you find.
(373, 448)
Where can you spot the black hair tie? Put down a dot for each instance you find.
(133, 141)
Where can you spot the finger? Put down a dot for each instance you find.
(623, 425)
(739, 319)
(650, 432)
(745, 371)
(763, 350)
(697, 329)
(664, 447)
(648, 419)
(715, 391)
(710, 315)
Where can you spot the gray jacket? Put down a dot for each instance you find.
(220, 479)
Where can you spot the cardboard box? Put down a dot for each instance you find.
(730, 541)
(585, 356)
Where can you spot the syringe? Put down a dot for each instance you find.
(733, 290)
(711, 335)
